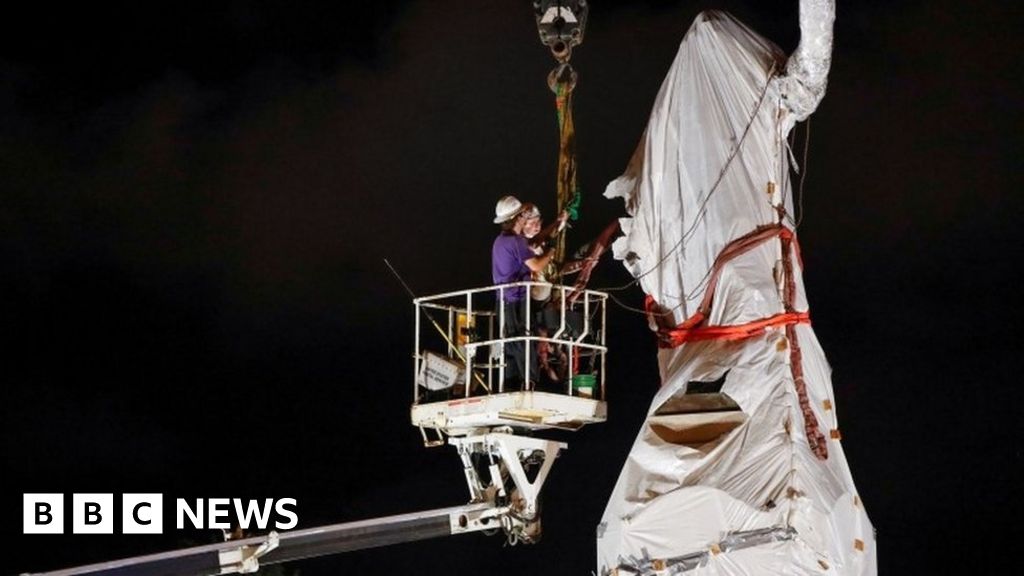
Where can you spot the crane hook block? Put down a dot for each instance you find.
(560, 24)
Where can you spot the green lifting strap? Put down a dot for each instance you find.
(562, 82)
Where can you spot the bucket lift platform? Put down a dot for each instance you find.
(460, 389)
(461, 362)
(528, 410)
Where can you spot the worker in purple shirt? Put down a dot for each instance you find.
(512, 260)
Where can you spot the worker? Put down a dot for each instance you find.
(512, 260)
(545, 313)
(534, 230)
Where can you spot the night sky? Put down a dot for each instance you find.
(196, 200)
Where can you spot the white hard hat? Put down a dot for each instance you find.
(507, 208)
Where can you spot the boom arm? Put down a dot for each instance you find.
(247, 555)
(509, 501)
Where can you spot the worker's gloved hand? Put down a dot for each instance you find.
(563, 218)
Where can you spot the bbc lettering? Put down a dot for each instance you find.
(143, 513)
(93, 513)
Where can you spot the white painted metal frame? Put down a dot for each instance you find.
(592, 302)
(510, 453)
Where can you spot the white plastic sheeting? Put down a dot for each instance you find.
(712, 167)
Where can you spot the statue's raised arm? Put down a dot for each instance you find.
(803, 85)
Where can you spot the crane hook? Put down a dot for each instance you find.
(560, 24)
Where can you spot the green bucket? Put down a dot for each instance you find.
(584, 384)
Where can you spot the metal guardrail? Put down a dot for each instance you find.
(473, 320)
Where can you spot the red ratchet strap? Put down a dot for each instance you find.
(671, 338)
(693, 328)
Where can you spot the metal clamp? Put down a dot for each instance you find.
(245, 559)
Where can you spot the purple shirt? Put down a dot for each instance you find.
(508, 264)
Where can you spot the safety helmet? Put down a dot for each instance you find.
(506, 209)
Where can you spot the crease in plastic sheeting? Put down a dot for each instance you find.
(693, 161)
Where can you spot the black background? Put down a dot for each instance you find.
(197, 199)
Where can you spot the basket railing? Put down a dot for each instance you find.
(465, 342)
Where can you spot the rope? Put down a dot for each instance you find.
(624, 306)
(800, 169)
(803, 175)
(703, 207)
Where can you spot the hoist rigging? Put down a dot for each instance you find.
(560, 24)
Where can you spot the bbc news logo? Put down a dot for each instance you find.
(143, 513)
